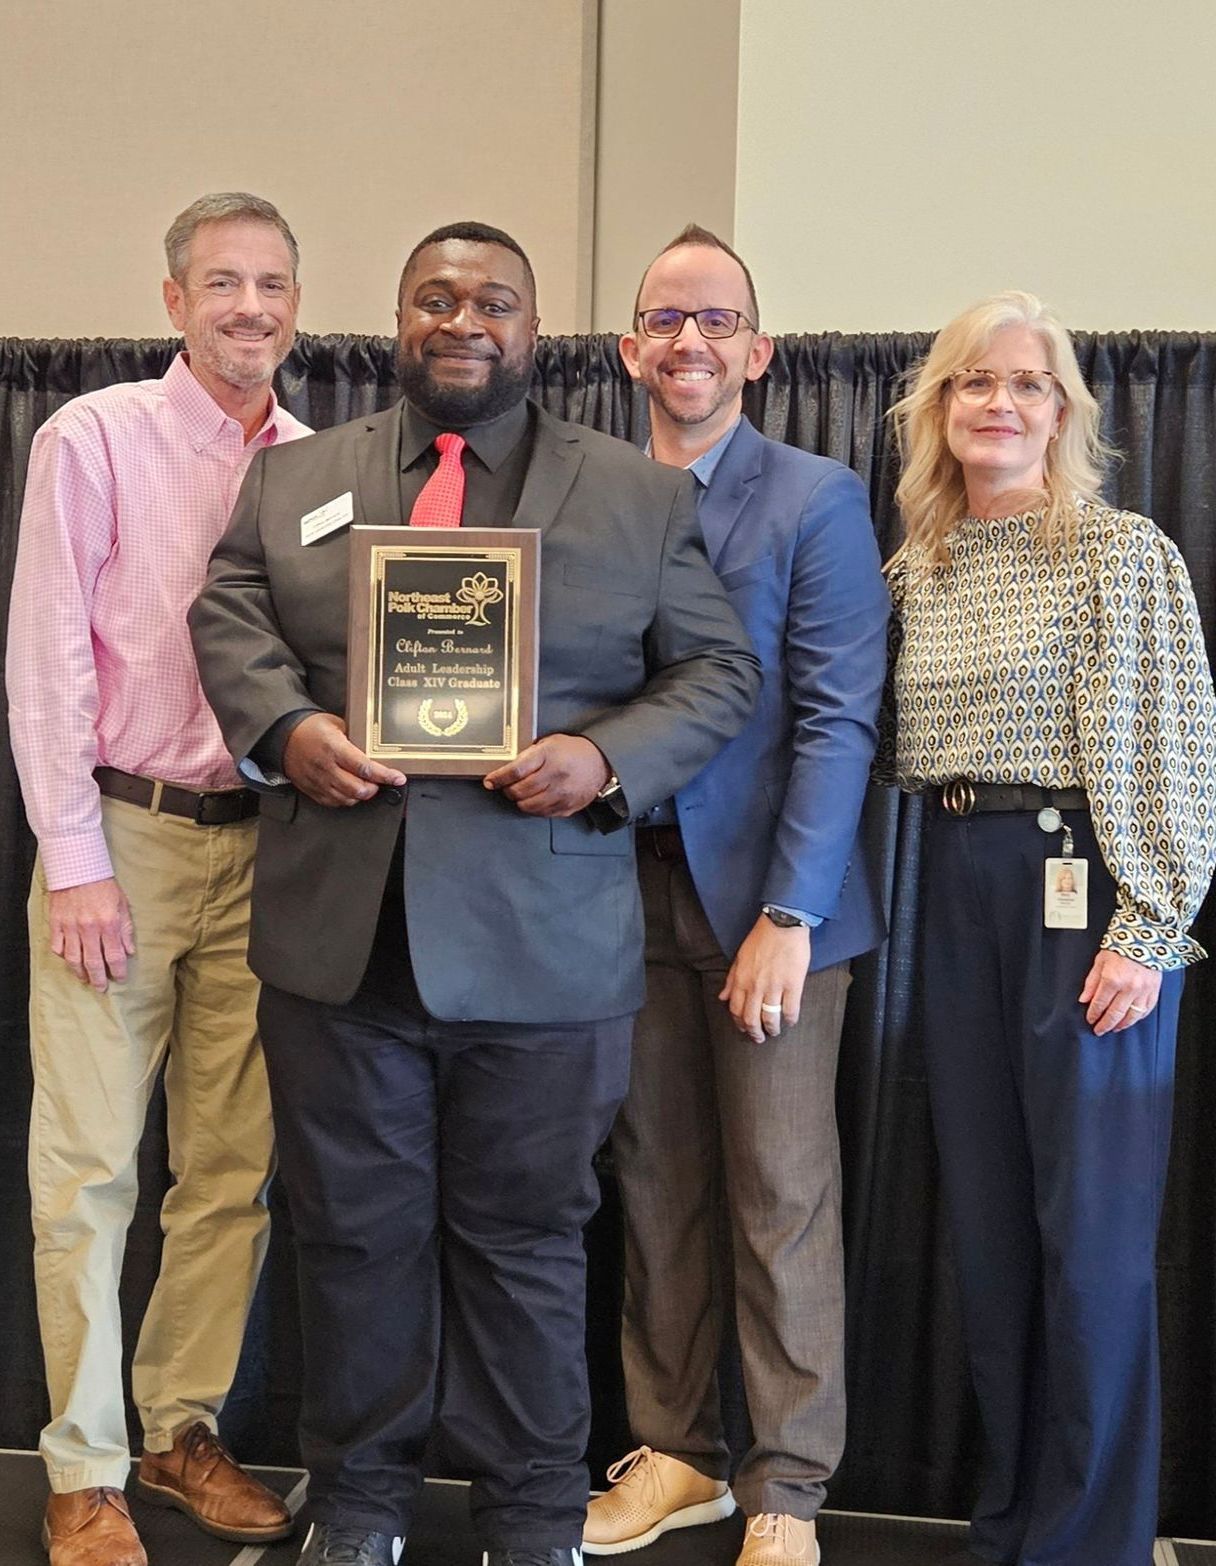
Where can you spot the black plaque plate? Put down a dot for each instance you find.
(442, 646)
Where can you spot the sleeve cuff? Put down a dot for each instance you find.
(1152, 945)
(813, 920)
(75, 861)
(262, 768)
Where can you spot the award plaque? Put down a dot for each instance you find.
(442, 646)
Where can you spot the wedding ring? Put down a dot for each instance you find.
(764, 1007)
(1141, 1009)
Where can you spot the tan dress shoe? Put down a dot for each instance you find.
(777, 1539)
(91, 1528)
(651, 1494)
(200, 1477)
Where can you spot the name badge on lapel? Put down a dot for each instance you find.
(328, 518)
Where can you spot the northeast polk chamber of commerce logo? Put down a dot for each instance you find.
(479, 591)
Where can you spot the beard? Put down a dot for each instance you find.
(681, 411)
(679, 414)
(207, 346)
(456, 407)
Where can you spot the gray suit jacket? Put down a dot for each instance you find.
(510, 917)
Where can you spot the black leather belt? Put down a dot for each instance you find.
(962, 797)
(214, 807)
(664, 842)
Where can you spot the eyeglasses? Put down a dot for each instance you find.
(710, 323)
(1028, 387)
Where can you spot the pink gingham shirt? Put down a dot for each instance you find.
(129, 490)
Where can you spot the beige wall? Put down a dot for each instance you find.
(365, 121)
(900, 158)
(880, 163)
(669, 75)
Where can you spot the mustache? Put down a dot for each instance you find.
(447, 352)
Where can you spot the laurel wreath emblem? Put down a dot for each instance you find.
(428, 724)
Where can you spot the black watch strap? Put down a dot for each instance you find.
(609, 810)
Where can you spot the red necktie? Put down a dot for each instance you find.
(441, 499)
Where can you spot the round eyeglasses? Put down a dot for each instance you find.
(710, 323)
(1027, 387)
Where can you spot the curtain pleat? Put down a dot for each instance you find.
(913, 1432)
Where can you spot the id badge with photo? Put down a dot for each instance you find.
(1065, 894)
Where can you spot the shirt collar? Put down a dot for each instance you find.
(203, 417)
(706, 464)
(492, 442)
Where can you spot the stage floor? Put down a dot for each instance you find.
(442, 1536)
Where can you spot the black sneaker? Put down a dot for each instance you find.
(532, 1558)
(333, 1544)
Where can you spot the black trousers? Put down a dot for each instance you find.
(1053, 1146)
(439, 1177)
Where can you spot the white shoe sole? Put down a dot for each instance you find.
(686, 1517)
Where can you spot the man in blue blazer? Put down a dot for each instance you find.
(756, 896)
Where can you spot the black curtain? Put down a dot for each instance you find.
(913, 1433)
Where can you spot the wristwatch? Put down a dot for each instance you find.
(783, 920)
(609, 809)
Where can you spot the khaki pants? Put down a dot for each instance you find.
(188, 995)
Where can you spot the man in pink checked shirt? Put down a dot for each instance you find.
(140, 898)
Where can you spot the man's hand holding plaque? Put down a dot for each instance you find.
(323, 764)
(559, 775)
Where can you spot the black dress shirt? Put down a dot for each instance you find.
(495, 463)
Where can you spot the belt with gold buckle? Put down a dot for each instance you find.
(963, 797)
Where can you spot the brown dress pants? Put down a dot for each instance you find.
(727, 1151)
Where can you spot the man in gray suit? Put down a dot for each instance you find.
(448, 998)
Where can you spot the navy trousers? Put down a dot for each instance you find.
(1053, 1145)
(439, 1176)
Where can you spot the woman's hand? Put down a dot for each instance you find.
(1117, 992)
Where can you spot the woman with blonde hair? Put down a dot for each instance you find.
(1053, 700)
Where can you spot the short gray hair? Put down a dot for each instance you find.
(225, 207)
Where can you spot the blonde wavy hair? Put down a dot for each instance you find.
(931, 495)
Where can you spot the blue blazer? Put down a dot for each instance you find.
(774, 817)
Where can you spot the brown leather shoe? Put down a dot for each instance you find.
(91, 1528)
(201, 1478)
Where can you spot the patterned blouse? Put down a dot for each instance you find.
(1088, 672)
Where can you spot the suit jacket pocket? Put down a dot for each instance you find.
(596, 580)
(576, 835)
(754, 571)
(279, 805)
